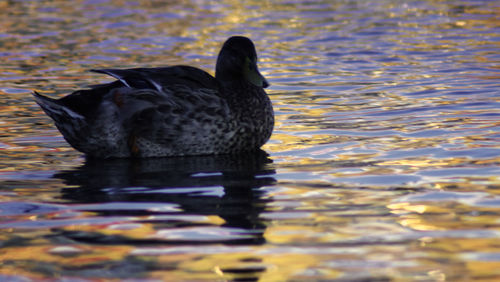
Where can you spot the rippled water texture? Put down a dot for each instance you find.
(384, 163)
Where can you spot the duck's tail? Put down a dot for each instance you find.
(71, 124)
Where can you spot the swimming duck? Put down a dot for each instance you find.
(170, 111)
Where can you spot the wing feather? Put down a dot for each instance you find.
(158, 78)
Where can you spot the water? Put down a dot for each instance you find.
(384, 164)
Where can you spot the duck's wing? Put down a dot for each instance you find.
(158, 78)
(191, 111)
(86, 101)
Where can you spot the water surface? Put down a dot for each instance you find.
(384, 163)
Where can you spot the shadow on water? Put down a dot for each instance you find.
(223, 186)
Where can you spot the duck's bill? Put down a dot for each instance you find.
(259, 79)
(265, 84)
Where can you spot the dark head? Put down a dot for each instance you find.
(237, 61)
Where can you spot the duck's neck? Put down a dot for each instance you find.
(245, 97)
(240, 90)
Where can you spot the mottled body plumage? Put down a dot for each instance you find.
(171, 111)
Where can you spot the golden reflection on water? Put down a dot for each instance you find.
(385, 148)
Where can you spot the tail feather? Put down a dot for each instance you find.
(71, 124)
(53, 108)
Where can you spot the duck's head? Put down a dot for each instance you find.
(237, 61)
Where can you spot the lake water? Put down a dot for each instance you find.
(384, 163)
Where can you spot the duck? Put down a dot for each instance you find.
(170, 111)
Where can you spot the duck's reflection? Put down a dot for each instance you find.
(226, 186)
